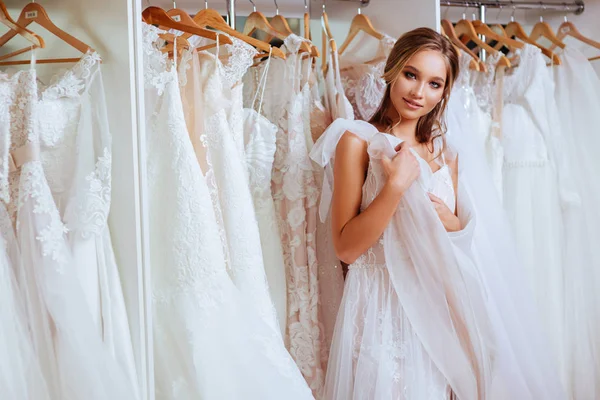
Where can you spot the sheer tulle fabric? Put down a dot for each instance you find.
(577, 94)
(20, 373)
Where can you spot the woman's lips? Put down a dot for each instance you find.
(412, 104)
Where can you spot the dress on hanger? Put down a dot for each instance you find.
(74, 360)
(209, 339)
(537, 187)
(480, 97)
(260, 149)
(578, 97)
(221, 136)
(362, 70)
(295, 194)
(76, 155)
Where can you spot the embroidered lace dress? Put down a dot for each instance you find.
(74, 360)
(77, 158)
(295, 194)
(218, 136)
(206, 331)
(361, 69)
(20, 373)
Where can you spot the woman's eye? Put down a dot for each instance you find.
(409, 75)
(436, 85)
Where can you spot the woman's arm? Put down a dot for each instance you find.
(355, 232)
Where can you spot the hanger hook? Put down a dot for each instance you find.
(542, 13)
(566, 12)
(500, 7)
(206, 4)
(447, 9)
(174, 4)
(276, 7)
(514, 8)
(464, 16)
(253, 5)
(305, 6)
(323, 6)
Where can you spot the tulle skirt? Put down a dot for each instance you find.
(375, 354)
(531, 200)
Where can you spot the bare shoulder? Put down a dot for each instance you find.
(351, 146)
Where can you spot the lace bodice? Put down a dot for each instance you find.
(363, 82)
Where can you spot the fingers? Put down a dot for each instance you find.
(434, 198)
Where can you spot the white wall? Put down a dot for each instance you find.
(107, 26)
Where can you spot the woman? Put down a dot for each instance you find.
(426, 312)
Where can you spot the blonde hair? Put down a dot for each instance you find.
(404, 49)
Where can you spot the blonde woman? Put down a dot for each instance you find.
(427, 312)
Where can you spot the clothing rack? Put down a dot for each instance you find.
(576, 6)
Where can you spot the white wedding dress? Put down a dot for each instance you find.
(76, 153)
(214, 93)
(75, 362)
(536, 187)
(578, 96)
(209, 340)
(259, 134)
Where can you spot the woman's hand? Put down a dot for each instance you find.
(449, 220)
(401, 170)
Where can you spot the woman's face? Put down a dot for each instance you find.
(420, 86)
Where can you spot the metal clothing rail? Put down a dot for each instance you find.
(576, 7)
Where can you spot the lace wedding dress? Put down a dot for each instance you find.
(20, 373)
(295, 193)
(75, 362)
(77, 159)
(205, 330)
(219, 142)
(361, 68)
(577, 93)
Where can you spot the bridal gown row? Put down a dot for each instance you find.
(206, 329)
(534, 125)
(59, 197)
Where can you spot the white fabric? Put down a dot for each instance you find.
(77, 158)
(537, 187)
(74, 360)
(209, 340)
(361, 68)
(429, 329)
(578, 97)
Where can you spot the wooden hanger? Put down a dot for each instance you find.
(542, 29)
(360, 23)
(157, 16)
(568, 29)
(280, 24)
(208, 17)
(449, 31)
(257, 21)
(34, 12)
(516, 29)
(465, 28)
(179, 15)
(482, 29)
(6, 20)
(326, 38)
(171, 40)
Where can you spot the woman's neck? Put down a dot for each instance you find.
(406, 130)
